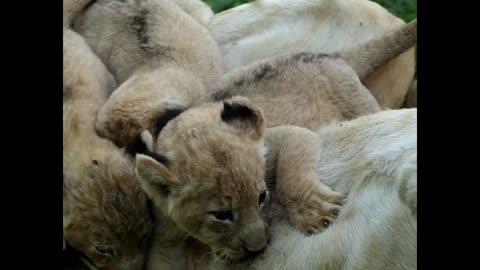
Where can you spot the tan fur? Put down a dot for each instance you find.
(368, 57)
(411, 99)
(293, 156)
(72, 8)
(167, 252)
(203, 175)
(157, 52)
(105, 212)
(268, 28)
(304, 89)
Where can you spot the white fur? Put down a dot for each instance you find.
(380, 147)
(270, 27)
(263, 150)
(197, 9)
(147, 138)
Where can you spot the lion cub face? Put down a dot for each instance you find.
(106, 215)
(207, 175)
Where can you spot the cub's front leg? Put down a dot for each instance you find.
(293, 157)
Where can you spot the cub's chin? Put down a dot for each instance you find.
(229, 256)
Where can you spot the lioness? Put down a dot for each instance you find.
(268, 28)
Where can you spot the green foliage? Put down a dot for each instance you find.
(405, 9)
(221, 5)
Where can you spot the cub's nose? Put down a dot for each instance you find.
(253, 253)
(256, 244)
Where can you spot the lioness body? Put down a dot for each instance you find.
(267, 28)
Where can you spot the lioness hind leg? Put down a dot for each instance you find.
(408, 184)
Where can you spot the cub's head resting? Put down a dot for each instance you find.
(206, 172)
(106, 213)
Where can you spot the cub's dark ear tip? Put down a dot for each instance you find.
(137, 146)
(235, 111)
(166, 116)
(159, 158)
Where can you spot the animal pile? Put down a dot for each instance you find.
(194, 141)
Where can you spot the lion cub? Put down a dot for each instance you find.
(105, 211)
(159, 55)
(373, 158)
(303, 89)
(310, 89)
(206, 173)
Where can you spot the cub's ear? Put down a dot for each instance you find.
(143, 143)
(167, 115)
(244, 116)
(154, 174)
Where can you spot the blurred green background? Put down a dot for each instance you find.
(405, 9)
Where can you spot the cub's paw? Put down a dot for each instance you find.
(314, 213)
(331, 196)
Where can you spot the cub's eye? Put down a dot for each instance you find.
(145, 237)
(262, 198)
(223, 215)
(104, 251)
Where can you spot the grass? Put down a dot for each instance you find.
(405, 9)
(221, 5)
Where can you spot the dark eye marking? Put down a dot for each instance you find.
(263, 198)
(223, 215)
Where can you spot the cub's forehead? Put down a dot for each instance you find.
(241, 187)
(212, 147)
(242, 177)
(203, 115)
(225, 172)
